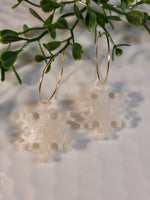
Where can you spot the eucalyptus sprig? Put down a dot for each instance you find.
(90, 18)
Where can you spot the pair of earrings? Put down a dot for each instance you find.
(45, 130)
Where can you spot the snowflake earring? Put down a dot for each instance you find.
(100, 109)
(44, 131)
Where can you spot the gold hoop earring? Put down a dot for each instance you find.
(59, 80)
(108, 62)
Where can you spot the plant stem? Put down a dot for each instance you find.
(110, 7)
(71, 30)
(24, 46)
(2, 74)
(137, 3)
(31, 29)
(109, 35)
(106, 16)
(68, 39)
(8, 47)
(42, 51)
(72, 13)
(17, 75)
(68, 43)
(33, 4)
(32, 40)
(39, 37)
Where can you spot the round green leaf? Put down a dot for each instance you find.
(9, 39)
(62, 23)
(8, 58)
(39, 58)
(52, 31)
(49, 20)
(7, 32)
(51, 46)
(48, 5)
(77, 51)
(135, 17)
(118, 52)
(25, 28)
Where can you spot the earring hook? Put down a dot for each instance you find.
(59, 80)
(108, 61)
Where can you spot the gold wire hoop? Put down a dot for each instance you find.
(108, 62)
(59, 80)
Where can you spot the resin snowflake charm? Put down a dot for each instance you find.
(101, 110)
(43, 131)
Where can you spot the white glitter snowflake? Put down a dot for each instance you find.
(43, 131)
(101, 109)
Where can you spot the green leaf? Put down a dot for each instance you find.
(111, 8)
(146, 1)
(115, 18)
(49, 20)
(77, 51)
(17, 75)
(121, 45)
(10, 39)
(39, 58)
(48, 5)
(7, 32)
(101, 19)
(61, 23)
(118, 52)
(35, 14)
(62, 5)
(19, 2)
(135, 17)
(8, 58)
(25, 28)
(113, 51)
(78, 13)
(90, 18)
(51, 46)
(51, 30)
(48, 69)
